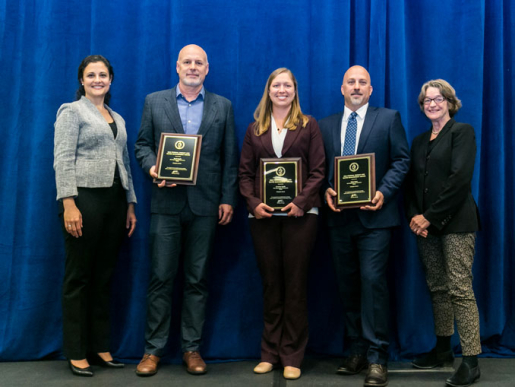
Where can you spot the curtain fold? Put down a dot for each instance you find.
(403, 43)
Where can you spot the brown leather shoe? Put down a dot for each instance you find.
(194, 363)
(148, 365)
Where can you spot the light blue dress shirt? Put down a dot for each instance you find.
(190, 111)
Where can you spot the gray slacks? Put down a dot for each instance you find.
(174, 237)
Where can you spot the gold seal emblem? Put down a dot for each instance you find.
(280, 171)
(179, 144)
(354, 167)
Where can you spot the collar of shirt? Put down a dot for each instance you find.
(200, 95)
(361, 112)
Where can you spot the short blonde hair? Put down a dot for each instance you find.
(263, 112)
(447, 92)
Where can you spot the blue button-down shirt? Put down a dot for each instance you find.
(190, 112)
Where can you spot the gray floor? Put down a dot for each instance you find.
(315, 372)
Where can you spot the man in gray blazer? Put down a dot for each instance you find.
(184, 218)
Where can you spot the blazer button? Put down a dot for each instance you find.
(426, 190)
(426, 173)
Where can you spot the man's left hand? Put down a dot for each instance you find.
(377, 202)
(225, 212)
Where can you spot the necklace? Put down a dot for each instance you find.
(435, 132)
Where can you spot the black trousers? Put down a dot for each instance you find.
(283, 249)
(173, 237)
(90, 261)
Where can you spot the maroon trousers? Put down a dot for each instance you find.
(283, 248)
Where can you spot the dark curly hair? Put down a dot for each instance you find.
(85, 62)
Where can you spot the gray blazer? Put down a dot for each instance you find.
(218, 164)
(86, 152)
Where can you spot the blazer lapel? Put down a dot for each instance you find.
(337, 135)
(444, 132)
(118, 122)
(370, 117)
(172, 112)
(291, 136)
(209, 113)
(266, 142)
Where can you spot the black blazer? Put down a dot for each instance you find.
(439, 182)
(218, 164)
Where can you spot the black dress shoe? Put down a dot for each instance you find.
(464, 376)
(377, 376)
(97, 360)
(352, 365)
(434, 359)
(80, 371)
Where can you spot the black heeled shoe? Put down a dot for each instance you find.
(97, 360)
(88, 372)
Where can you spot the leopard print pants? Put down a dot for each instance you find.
(447, 261)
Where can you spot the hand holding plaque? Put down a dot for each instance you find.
(177, 158)
(280, 181)
(354, 180)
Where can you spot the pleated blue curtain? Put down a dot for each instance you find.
(403, 43)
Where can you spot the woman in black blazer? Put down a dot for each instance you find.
(444, 216)
(283, 238)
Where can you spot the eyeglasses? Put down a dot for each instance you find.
(438, 100)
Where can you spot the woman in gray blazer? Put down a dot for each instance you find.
(96, 198)
(444, 216)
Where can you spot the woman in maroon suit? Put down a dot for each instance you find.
(283, 238)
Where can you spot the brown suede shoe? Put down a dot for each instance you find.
(148, 365)
(194, 363)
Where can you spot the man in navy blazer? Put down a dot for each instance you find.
(360, 237)
(184, 218)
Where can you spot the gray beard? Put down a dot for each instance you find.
(192, 83)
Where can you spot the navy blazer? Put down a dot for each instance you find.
(218, 164)
(384, 135)
(439, 182)
(305, 143)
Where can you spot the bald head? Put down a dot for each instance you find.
(356, 87)
(192, 67)
(190, 48)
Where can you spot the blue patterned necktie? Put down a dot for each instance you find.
(349, 145)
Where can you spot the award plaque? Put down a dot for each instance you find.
(280, 181)
(354, 180)
(177, 158)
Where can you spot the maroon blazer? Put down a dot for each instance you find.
(305, 143)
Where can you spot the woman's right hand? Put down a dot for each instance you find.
(263, 211)
(72, 218)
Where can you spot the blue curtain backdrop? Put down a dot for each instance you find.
(403, 43)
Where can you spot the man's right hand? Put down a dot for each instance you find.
(330, 195)
(153, 174)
